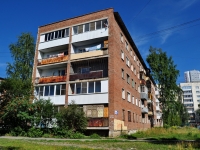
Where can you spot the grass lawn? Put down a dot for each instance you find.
(173, 133)
(8, 144)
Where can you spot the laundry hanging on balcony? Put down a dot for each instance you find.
(92, 48)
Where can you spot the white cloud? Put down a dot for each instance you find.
(184, 4)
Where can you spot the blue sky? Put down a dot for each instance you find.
(141, 18)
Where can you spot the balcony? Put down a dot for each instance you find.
(150, 113)
(142, 82)
(149, 101)
(90, 75)
(52, 60)
(159, 115)
(52, 79)
(98, 122)
(157, 108)
(89, 54)
(144, 95)
(144, 109)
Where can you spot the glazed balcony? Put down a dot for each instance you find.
(142, 82)
(52, 79)
(144, 109)
(52, 60)
(98, 122)
(90, 75)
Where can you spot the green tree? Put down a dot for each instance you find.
(165, 74)
(15, 104)
(72, 118)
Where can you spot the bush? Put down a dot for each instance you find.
(34, 132)
(17, 131)
(95, 136)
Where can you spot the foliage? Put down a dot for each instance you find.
(23, 53)
(95, 136)
(44, 114)
(34, 132)
(72, 117)
(164, 72)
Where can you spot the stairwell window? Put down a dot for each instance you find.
(122, 55)
(123, 94)
(129, 116)
(129, 97)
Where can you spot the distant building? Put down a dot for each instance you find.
(191, 99)
(192, 76)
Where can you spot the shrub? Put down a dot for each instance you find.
(95, 136)
(34, 132)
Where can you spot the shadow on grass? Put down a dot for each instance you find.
(9, 148)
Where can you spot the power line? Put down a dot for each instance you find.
(141, 9)
(168, 29)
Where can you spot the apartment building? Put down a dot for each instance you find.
(191, 100)
(192, 76)
(93, 61)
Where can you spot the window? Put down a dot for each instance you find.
(134, 57)
(142, 88)
(122, 55)
(122, 73)
(128, 78)
(133, 101)
(133, 117)
(122, 38)
(198, 96)
(139, 103)
(41, 91)
(92, 26)
(127, 62)
(84, 69)
(136, 102)
(123, 93)
(135, 86)
(131, 52)
(80, 29)
(57, 34)
(84, 87)
(87, 28)
(126, 45)
(78, 88)
(131, 67)
(197, 87)
(129, 116)
(98, 86)
(91, 87)
(134, 71)
(98, 25)
(133, 83)
(63, 89)
(58, 89)
(123, 114)
(129, 97)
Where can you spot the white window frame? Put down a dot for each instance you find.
(122, 55)
(133, 100)
(123, 94)
(129, 96)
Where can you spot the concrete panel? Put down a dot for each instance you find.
(56, 100)
(53, 43)
(89, 98)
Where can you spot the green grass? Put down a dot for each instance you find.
(27, 144)
(174, 133)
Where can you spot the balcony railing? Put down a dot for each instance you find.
(98, 122)
(52, 60)
(90, 75)
(144, 95)
(52, 79)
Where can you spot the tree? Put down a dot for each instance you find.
(15, 103)
(72, 118)
(165, 74)
(22, 53)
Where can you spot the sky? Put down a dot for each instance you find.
(172, 25)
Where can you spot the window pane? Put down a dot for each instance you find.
(72, 88)
(59, 33)
(46, 92)
(104, 23)
(78, 88)
(41, 90)
(86, 27)
(51, 90)
(36, 91)
(49, 36)
(63, 90)
(46, 35)
(57, 89)
(63, 33)
(67, 32)
(84, 87)
(91, 87)
(98, 86)
(80, 29)
(98, 25)
(56, 34)
(92, 26)
(52, 35)
(75, 29)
